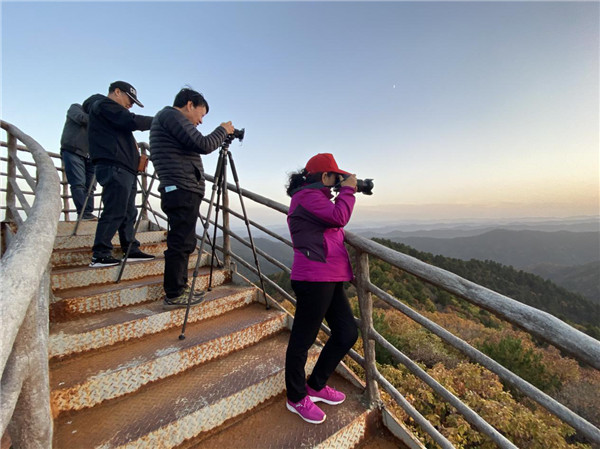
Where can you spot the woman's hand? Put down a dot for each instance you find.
(350, 181)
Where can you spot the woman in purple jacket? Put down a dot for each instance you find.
(321, 265)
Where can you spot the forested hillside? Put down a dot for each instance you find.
(525, 287)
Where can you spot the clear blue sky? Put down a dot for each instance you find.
(477, 106)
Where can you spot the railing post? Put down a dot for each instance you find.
(65, 191)
(11, 173)
(31, 423)
(226, 216)
(366, 318)
(144, 152)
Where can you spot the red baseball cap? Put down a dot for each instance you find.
(324, 162)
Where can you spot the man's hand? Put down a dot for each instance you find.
(228, 127)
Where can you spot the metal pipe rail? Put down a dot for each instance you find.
(24, 297)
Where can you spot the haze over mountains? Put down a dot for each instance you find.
(565, 251)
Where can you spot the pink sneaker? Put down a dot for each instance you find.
(307, 410)
(328, 395)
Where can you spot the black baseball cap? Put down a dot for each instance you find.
(128, 89)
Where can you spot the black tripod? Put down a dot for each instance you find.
(219, 186)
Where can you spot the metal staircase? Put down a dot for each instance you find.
(120, 377)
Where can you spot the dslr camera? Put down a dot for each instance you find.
(364, 186)
(239, 134)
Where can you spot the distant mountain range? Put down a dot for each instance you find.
(521, 249)
(569, 259)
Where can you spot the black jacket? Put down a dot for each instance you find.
(175, 148)
(74, 136)
(110, 132)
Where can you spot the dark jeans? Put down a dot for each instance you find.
(181, 208)
(118, 214)
(79, 171)
(315, 301)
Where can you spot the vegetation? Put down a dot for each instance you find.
(521, 420)
(517, 284)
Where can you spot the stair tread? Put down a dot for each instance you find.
(273, 426)
(86, 239)
(132, 313)
(168, 401)
(73, 371)
(66, 270)
(80, 276)
(96, 289)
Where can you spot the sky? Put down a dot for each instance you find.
(456, 109)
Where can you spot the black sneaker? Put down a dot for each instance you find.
(139, 256)
(109, 261)
(182, 300)
(90, 217)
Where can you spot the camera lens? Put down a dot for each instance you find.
(364, 186)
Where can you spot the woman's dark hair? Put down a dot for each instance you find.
(300, 178)
(186, 94)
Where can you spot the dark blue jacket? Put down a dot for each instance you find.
(175, 149)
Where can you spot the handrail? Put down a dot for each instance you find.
(535, 321)
(24, 299)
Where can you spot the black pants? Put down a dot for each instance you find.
(315, 301)
(118, 196)
(181, 208)
(80, 172)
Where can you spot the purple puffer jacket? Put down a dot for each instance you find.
(317, 229)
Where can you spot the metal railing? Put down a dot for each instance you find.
(27, 245)
(538, 323)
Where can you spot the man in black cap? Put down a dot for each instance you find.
(115, 155)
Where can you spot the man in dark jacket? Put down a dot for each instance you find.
(76, 159)
(116, 156)
(175, 148)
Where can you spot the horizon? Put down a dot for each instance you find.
(457, 110)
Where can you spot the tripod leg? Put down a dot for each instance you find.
(220, 189)
(214, 240)
(237, 184)
(218, 175)
(145, 198)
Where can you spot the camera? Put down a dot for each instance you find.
(239, 133)
(364, 186)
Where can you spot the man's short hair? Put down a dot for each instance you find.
(186, 95)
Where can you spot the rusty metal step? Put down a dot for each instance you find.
(272, 426)
(65, 278)
(90, 379)
(107, 328)
(166, 413)
(87, 240)
(66, 258)
(65, 228)
(72, 303)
